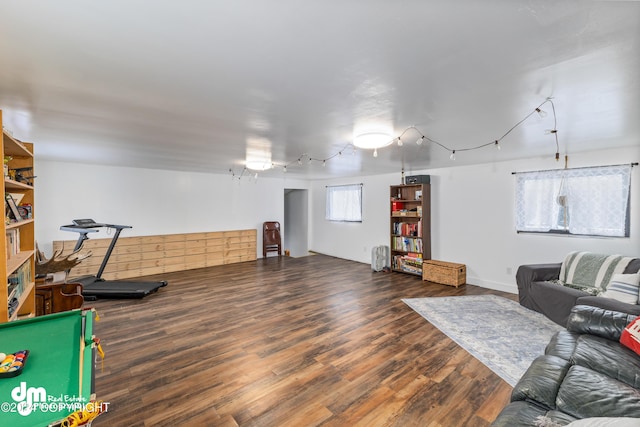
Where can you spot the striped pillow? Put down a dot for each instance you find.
(590, 269)
(624, 287)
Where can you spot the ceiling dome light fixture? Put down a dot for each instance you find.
(372, 140)
(259, 165)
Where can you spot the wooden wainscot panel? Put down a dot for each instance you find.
(170, 238)
(130, 241)
(151, 263)
(174, 253)
(152, 240)
(215, 245)
(175, 263)
(126, 257)
(214, 261)
(125, 250)
(195, 261)
(194, 244)
(144, 255)
(196, 250)
(129, 266)
(153, 255)
(195, 236)
(173, 245)
(151, 247)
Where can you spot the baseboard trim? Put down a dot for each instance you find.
(497, 286)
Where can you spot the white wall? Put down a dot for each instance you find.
(352, 240)
(472, 212)
(472, 219)
(152, 201)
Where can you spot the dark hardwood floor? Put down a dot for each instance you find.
(312, 341)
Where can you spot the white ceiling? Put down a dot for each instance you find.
(197, 85)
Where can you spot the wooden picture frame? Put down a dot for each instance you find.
(13, 207)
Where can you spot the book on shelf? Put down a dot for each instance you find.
(410, 263)
(22, 276)
(18, 282)
(406, 228)
(13, 242)
(407, 244)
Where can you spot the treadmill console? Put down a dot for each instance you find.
(85, 223)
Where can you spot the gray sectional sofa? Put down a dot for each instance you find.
(538, 290)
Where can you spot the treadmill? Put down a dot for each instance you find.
(95, 287)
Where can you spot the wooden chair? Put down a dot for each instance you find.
(271, 240)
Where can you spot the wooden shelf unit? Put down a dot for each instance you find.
(21, 154)
(410, 227)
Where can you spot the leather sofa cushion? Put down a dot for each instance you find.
(585, 393)
(609, 304)
(598, 321)
(518, 414)
(609, 358)
(562, 344)
(541, 381)
(522, 413)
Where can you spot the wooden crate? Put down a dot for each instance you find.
(446, 273)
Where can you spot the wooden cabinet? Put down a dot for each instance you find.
(17, 299)
(410, 245)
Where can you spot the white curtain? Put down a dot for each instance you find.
(344, 203)
(587, 201)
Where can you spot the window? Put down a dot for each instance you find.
(344, 203)
(585, 201)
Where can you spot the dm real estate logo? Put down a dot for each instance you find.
(26, 400)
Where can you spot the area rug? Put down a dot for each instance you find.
(503, 335)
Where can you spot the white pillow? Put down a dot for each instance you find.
(624, 287)
(605, 422)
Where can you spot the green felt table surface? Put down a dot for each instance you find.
(50, 381)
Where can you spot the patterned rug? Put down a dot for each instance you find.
(499, 332)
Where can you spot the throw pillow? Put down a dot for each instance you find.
(606, 422)
(623, 287)
(631, 336)
(591, 269)
(542, 421)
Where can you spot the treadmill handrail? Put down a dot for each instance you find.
(76, 228)
(84, 230)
